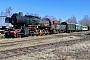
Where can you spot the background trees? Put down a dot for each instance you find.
(4, 14)
(47, 16)
(72, 20)
(85, 21)
(8, 11)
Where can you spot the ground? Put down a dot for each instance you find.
(77, 51)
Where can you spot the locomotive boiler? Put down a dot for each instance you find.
(28, 25)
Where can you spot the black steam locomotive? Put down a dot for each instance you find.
(29, 25)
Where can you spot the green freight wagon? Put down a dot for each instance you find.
(78, 27)
(70, 27)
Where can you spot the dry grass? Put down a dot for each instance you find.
(37, 42)
(80, 51)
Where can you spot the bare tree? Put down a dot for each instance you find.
(27, 13)
(35, 14)
(72, 20)
(2, 16)
(47, 16)
(60, 20)
(8, 11)
(85, 21)
(69, 20)
(53, 17)
(2, 13)
(31, 14)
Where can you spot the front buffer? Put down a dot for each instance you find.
(12, 33)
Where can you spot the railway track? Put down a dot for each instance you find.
(9, 40)
(25, 43)
(25, 50)
(15, 42)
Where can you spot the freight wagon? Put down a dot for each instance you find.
(78, 27)
(84, 28)
(69, 27)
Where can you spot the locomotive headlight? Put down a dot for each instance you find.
(37, 26)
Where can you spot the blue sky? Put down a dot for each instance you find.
(63, 9)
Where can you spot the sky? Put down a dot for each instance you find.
(63, 9)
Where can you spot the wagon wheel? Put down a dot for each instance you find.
(18, 35)
(48, 32)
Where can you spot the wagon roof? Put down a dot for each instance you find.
(78, 24)
(70, 23)
(66, 23)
